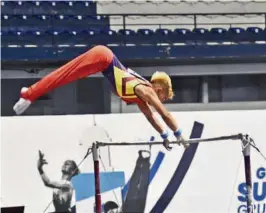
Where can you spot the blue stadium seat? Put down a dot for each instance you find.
(63, 37)
(80, 22)
(256, 34)
(218, 35)
(6, 7)
(80, 37)
(146, 36)
(164, 35)
(128, 36)
(106, 36)
(182, 35)
(41, 37)
(67, 21)
(86, 37)
(28, 38)
(10, 22)
(200, 35)
(48, 7)
(46, 38)
(8, 37)
(43, 7)
(40, 21)
(37, 22)
(26, 22)
(98, 22)
(16, 37)
(38, 38)
(16, 7)
(237, 34)
(71, 7)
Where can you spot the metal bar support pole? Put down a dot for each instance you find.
(95, 156)
(247, 162)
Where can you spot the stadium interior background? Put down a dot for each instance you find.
(214, 50)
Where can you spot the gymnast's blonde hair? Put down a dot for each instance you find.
(164, 79)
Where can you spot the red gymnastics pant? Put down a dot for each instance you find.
(91, 62)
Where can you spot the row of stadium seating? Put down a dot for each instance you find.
(45, 21)
(138, 52)
(48, 7)
(141, 36)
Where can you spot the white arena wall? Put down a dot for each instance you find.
(213, 182)
(183, 7)
(178, 6)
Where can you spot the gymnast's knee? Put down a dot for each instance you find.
(102, 48)
(103, 53)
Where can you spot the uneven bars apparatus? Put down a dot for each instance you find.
(245, 139)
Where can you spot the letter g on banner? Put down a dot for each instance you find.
(261, 173)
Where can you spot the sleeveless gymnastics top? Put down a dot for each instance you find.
(124, 81)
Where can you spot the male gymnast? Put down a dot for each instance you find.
(126, 84)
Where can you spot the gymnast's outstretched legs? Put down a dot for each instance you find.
(95, 60)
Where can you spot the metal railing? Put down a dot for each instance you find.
(194, 19)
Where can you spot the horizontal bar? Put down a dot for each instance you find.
(230, 137)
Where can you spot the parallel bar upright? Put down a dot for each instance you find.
(95, 156)
(246, 154)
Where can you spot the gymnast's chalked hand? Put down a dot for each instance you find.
(181, 140)
(166, 144)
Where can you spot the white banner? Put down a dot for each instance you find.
(209, 178)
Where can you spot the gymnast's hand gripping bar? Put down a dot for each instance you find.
(239, 136)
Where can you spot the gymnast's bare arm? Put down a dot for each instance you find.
(150, 115)
(148, 95)
(53, 184)
(47, 182)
